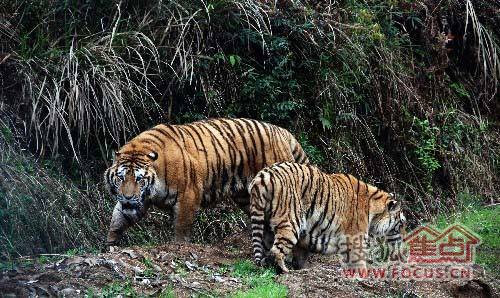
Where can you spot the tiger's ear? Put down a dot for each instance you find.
(153, 155)
(393, 206)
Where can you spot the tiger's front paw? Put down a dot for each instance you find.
(113, 248)
(267, 261)
(281, 267)
(182, 238)
(270, 261)
(110, 245)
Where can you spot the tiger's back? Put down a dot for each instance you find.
(223, 155)
(311, 211)
(198, 164)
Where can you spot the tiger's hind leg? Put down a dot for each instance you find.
(284, 241)
(242, 200)
(262, 236)
(267, 242)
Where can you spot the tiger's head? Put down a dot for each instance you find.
(390, 224)
(132, 179)
(389, 228)
(385, 216)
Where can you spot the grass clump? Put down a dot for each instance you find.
(261, 281)
(269, 290)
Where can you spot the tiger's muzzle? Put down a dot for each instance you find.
(133, 202)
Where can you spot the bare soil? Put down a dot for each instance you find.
(194, 269)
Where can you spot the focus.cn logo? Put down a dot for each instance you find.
(455, 245)
(430, 254)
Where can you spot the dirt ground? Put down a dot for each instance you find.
(197, 270)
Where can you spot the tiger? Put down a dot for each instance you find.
(297, 209)
(182, 168)
(387, 231)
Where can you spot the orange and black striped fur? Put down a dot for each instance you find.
(187, 166)
(297, 209)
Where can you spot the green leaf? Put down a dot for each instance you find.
(232, 60)
(325, 123)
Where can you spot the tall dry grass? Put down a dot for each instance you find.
(42, 211)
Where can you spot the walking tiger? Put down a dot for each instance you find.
(297, 209)
(184, 167)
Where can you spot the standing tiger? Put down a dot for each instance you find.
(187, 166)
(297, 209)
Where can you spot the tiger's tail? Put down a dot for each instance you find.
(299, 155)
(258, 203)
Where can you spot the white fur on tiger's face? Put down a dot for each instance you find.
(390, 224)
(131, 180)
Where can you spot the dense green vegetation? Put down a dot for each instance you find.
(370, 87)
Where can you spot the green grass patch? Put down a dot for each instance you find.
(167, 293)
(149, 272)
(260, 281)
(82, 251)
(273, 290)
(485, 222)
(13, 264)
(115, 289)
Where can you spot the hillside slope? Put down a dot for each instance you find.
(187, 270)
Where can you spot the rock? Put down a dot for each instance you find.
(68, 292)
(190, 265)
(164, 257)
(73, 261)
(130, 253)
(173, 265)
(91, 261)
(218, 278)
(233, 279)
(193, 256)
(137, 270)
